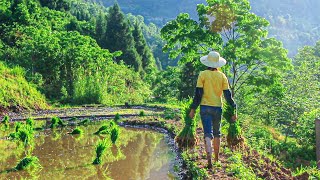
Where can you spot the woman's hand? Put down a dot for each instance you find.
(191, 114)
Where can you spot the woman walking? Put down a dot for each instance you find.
(211, 84)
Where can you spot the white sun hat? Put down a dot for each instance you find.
(213, 60)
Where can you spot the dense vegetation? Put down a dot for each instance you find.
(61, 55)
(15, 91)
(77, 52)
(295, 23)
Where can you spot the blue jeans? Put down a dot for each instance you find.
(211, 120)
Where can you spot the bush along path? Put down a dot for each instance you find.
(243, 163)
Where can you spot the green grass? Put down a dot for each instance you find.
(15, 90)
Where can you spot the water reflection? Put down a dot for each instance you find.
(137, 154)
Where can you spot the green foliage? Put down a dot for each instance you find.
(141, 113)
(187, 136)
(28, 162)
(5, 121)
(117, 117)
(23, 133)
(101, 147)
(15, 91)
(30, 122)
(119, 38)
(115, 134)
(193, 169)
(249, 48)
(167, 83)
(77, 131)
(56, 121)
(68, 66)
(237, 167)
(84, 122)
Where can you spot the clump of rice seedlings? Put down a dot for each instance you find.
(74, 119)
(25, 135)
(117, 117)
(18, 126)
(100, 149)
(77, 131)
(56, 121)
(84, 122)
(234, 137)
(104, 129)
(187, 136)
(27, 162)
(5, 121)
(30, 122)
(142, 113)
(115, 133)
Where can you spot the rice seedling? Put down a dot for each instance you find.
(104, 129)
(18, 125)
(5, 121)
(117, 117)
(56, 121)
(30, 122)
(84, 122)
(141, 114)
(77, 131)
(100, 150)
(28, 162)
(234, 137)
(187, 136)
(25, 135)
(115, 134)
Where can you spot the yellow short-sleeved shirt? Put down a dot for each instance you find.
(213, 84)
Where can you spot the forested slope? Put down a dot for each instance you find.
(295, 23)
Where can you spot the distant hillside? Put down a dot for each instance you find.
(294, 22)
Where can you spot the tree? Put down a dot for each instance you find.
(118, 37)
(148, 61)
(229, 27)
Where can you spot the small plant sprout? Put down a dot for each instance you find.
(115, 133)
(30, 122)
(104, 129)
(77, 131)
(56, 121)
(5, 121)
(18, 125)
(117, 117)
(84, 122)
(28, 162)
(141, 113)
(100, 149)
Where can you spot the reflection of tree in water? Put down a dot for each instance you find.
(141, 157)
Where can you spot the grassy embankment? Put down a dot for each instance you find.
(16, 92)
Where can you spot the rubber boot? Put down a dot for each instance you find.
(216, 148)
(208, 147)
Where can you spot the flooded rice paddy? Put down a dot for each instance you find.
(137, 154)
